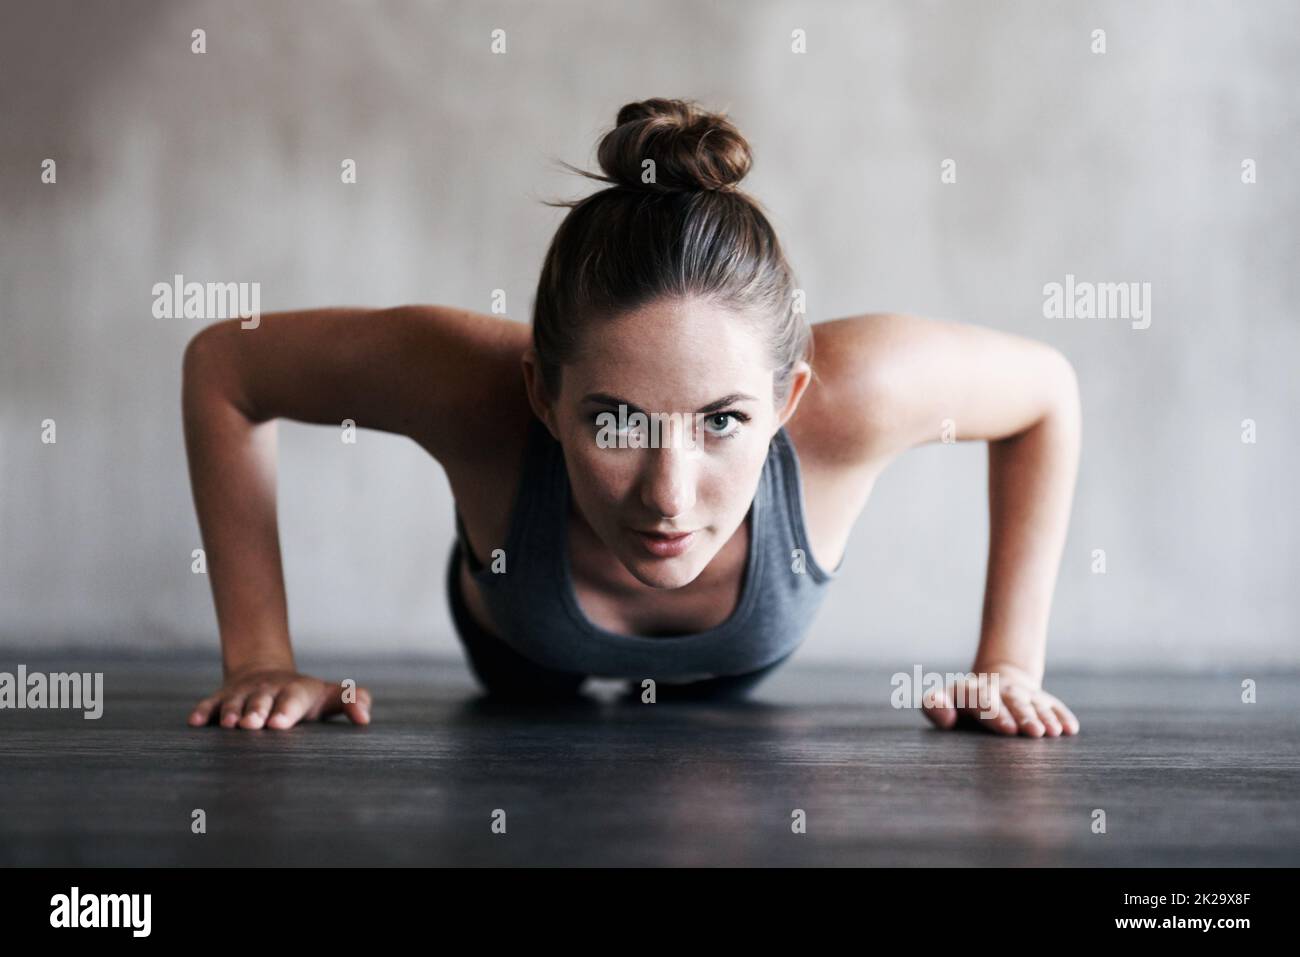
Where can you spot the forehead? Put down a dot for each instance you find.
(689, 345)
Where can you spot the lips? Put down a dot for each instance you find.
(664, 544)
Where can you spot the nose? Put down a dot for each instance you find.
(668, 485)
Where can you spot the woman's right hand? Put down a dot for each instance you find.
(277, 698)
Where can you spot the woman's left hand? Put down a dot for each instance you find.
(1019, 705)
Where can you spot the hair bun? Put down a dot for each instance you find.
(692, 149)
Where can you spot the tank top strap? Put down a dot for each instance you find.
(793, 506)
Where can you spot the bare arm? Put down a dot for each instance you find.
(421, 371)
(900, 381)
(1031, 489)
(232, 463)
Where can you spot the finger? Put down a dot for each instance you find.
(357, 710)
(1048, 717)
(256, 709)
(1069, 723)
(938, 707)
(1026, 716)
(231, 709)
(290, 705)
(996, 716)
(202, 713)
(980, 707)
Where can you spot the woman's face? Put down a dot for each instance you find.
(683, 357)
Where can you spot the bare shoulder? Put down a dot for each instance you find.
(844, 419)
(885, 382)
(436, 374)
(472, 361)
(482, 412)
(449, 379)
(841, 425)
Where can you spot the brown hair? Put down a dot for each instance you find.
(677, 227)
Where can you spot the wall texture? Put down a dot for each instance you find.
(1124, 166)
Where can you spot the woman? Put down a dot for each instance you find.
(589, 543)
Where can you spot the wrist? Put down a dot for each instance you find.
(264, 661)
(1005, 666)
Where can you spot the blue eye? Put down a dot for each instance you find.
(724, 432)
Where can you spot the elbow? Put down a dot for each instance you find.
(205, 366)
(1067, 381)
(199, 356)
(1066, 407)
(204, 347)
(196, 349)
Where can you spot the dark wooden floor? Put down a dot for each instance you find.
(1186, 774)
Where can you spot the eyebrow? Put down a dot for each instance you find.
(604, 398)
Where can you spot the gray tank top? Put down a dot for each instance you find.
(535, 610)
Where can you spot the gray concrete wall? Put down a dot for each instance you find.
(1123, 166)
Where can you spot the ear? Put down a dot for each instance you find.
(543, 408)
(800, 378)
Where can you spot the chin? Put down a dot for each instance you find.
(663, 572)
